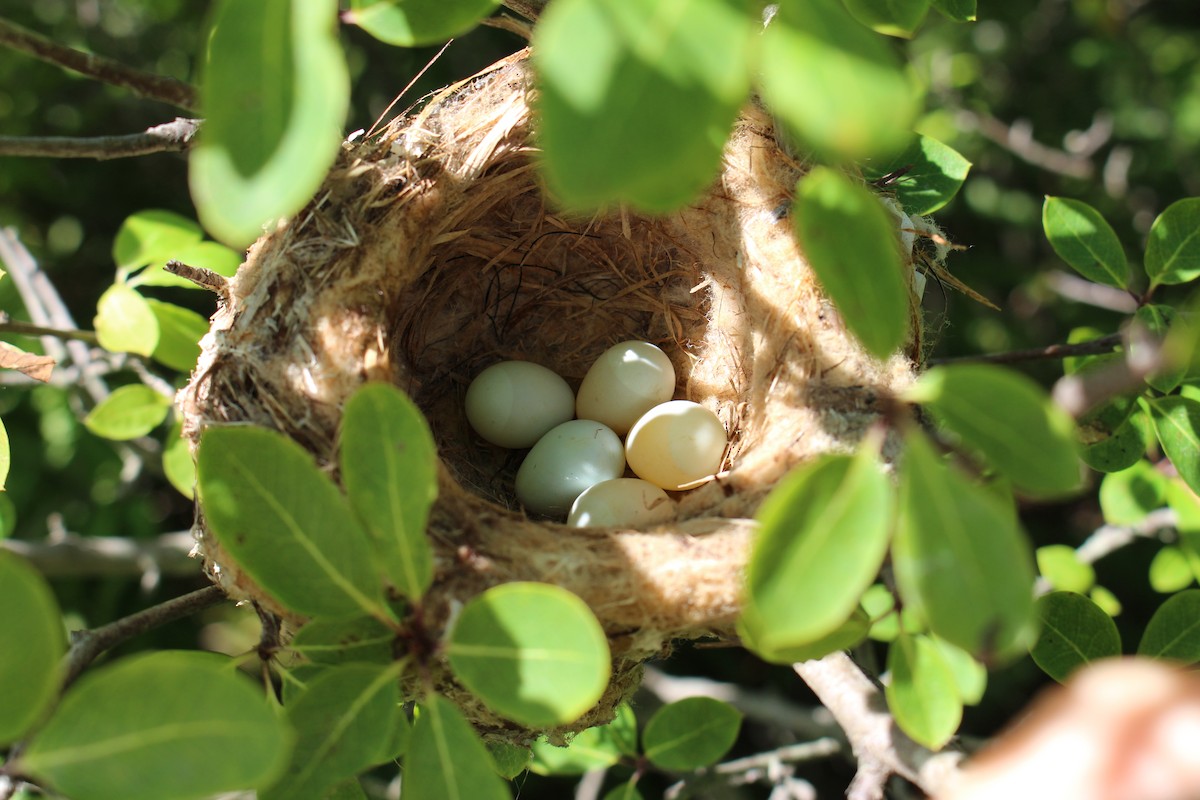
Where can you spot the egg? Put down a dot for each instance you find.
(625, 382)
(676, 443)
(625, 502)
(570, 458)
(514, 403)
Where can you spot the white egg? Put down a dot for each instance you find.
(676, 443)
(570, 458)
(625, 502)
(625, 382)
(514, 403)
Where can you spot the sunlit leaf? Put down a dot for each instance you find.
(1126, 497)
(918, 695)
(179, 332)
(1174, 631)
(31, 646)
(1106, 600)
(1083, 239)
(412, 23)
(1170, 570)
(186, 724)
(446, 760)
(1074, 632)
(124, 322)
(177, 462)
(1060, 565)
(1159, 320)
(1173, 248)
(691, 733)
(129, 412)
(970, 676)
(1177, 424)
(957, 10)
(891, 17)
(932, 175)
(845, 636)
(152, 235)
(848, 238)
(594, 748)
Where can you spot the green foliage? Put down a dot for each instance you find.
(626, 791)
(177, 462)
(1083, 239)
(917, 693)
(343, 722)
(446, 760)
(509, 760)
(33, 646)
(533, 652)
(891, 17)
(655, 147)
(281, 59)
(848, 239)
(1158, 321)
(970, 676)
(150, 236)
(691, 733)
(1174, 631)
(179, 332)
(957, 10)
(341, 640)
(389, 469)
(1173, 249)
(129, 412)
(1126, 497)
(1074, 632)
(823, 537)
(411, 23)
(595, 748)
(185, 723)
(932, 174)
(1177, 424)
(124, 322)
(1060, 565)
(1171, 570)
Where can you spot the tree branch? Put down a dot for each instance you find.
(529, 9)
(144, 84)
(1105, 344)
(1108, 539)
(166, 138)
(8, 325)
(72, 556)
(751, 769)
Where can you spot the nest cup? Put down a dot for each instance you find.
(433, 251)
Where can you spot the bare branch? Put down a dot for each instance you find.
(144, 84)
(204, 278)
(1075, 288)
(1018, 139)
(1108, 539)
(8, 325)
(71, 555)
(166, 138)
(1105, 344)
(752, 769)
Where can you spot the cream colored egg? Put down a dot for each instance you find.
(625, 502)
(625, 382)
(514, 403)
(676, 443)
(570, 458)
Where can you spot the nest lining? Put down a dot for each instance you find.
(433, 252)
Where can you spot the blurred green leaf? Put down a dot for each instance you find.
(921, 692)
(179, 332)
(933, 174)
(389, 469)
(823, 535)
(852, 631)
(446, 760)
(275, 92)
(690, 733)
(286, 524)
(835, 84)
(1173, 632)
(957, 10)
(890, 17)
(124, 322)
(1177, 424)
(593, 748)
(1083, 239)
(1173, 248)
(626, 791)
(1126, 497)
(1010, 420)
(533, 652)
(31, 649)
(849, 240)
(1159, 320)
(5, 460)
(8, 513)
(341, 640)
(178, 465)
(1059, 564)
(129, 412)
(637, 97)
(1106, 600)
(509, 760)
(169, 725)
(624, 730)
(970, 677)
(349, 789)
(342, 722)
(960, 560)
(1170, 570)
(152, 235)
(1075, 631)
(413, 23)
(1119, 448)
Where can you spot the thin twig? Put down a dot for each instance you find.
(170, 137)
(530, 9)
(144, 84)
(28, 329)
(202, 277)
(1104, 344)
(1018, 139)
(404, 91)
(1079, 290)
(74, 556)
(751, 768)
(1080, 392)
(1108, 539)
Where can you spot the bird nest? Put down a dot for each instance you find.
(433, 251)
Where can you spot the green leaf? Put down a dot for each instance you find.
(1177, 424)
(1116, 449)
(921, 692)
(890, 17)
(1170, 570)
(849, 240)
(275, 91)
(5, 461)
(637, 97)
(1075, 631)
(165, 726)
(957, 10)
(124, 322)
(822, 538)
(152, 235)
(533, 652)
(1126, 497)
(349, 789)
(446, 760)
(593, 748)
(177, 462)
(1174, 631)
(179, 332)
(286, 524)
(1009, 419)
(1159, 320)
(626, 791)
(961, 561)
(845, 636)
(206, 255)
(1083, 239)
(1060, 565)
(933, 174)
(129, 412)
(624, 730)
(1106, 600)
(970, 677)
(342, 640)
(835, 84)
(1173, 249)
(509, 760)
(691, 733)
(31, 648)
(389, 469)
(340, 720)
(413, 23)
